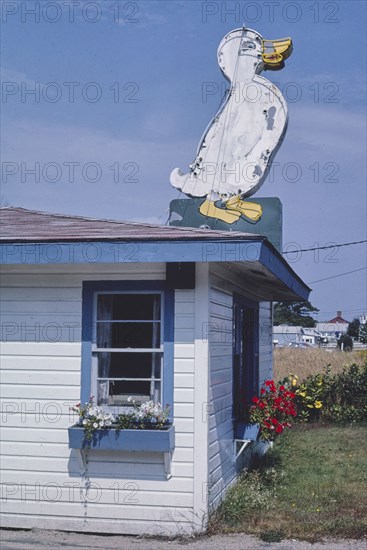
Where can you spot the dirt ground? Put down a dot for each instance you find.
(37, 539)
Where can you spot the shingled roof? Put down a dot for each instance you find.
(21, 225)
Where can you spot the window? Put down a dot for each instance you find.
(128, 349)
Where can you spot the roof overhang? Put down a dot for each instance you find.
(255, 259)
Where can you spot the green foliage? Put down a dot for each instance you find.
(363, 333)
(339, 398)
(353, 328)
(125, 421)
(249, 495)
(147, 416)
(294, 314)
(345, 343)
(310, 396)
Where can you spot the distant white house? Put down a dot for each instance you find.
(332, 331)
(284, 335)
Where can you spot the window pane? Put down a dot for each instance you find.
(128, 335)
(120, 307)
(129, 365)
(116, 393)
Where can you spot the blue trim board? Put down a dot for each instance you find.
(89, 289)
(87, 320)
(85, 252)
(275, 263)
(219, 250)
(168, 357)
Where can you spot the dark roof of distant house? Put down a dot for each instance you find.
(21, 225)
(338, 319)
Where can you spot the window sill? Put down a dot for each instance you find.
(124, 440)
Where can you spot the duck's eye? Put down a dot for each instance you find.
(248, 45)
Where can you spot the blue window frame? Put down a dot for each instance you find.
(127, 346)
(245, 360)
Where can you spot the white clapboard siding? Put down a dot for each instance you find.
(171, 522)
(14, 478)
(41, 358)
(222, 466)
(128, 493)
(222, 469)
(100, 509)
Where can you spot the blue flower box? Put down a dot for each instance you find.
(124, 440)
(246, 431)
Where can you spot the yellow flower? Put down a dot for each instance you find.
(302, 393)
(294, 382)
(318, 404)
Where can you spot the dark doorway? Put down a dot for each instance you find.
(245, 358)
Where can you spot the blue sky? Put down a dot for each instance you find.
(124, 91)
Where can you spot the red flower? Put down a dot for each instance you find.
(262, 391)
(255, 399)
(279, 429)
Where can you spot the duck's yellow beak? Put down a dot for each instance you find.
(274, 52)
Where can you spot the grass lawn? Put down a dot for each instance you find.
(313, 484)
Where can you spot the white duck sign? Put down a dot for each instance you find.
(237, 148)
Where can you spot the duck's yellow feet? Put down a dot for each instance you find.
(250, 210)
(209, 210)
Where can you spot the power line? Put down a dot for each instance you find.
(323, 247)
(363, 309)
(335, 276)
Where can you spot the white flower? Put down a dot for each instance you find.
(95, 425)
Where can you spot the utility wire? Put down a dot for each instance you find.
(335, 276)
(344, 311)
(322, 247)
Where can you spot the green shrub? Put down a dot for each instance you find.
(339, 398)
(346, 396)
(345, 342)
